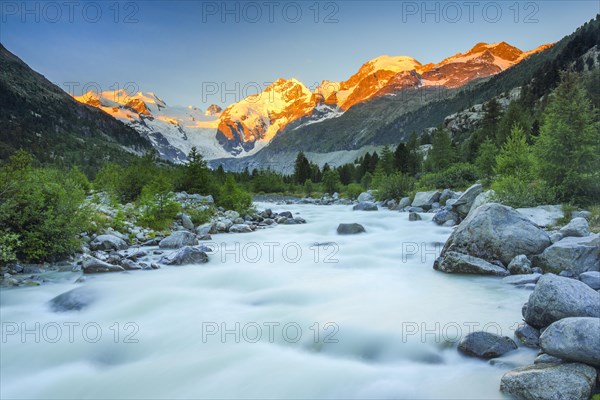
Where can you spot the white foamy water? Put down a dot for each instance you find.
(386, 321)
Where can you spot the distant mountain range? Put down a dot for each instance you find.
(247, 126)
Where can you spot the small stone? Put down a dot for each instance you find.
(350, 229)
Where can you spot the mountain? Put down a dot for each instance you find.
(248, 126)
(38, 116)
(173, 131)
(409, 103)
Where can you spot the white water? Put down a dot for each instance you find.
(371, 294)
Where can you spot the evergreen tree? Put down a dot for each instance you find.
(568, 148)
(442, 153)
(302, 170)
(331, 181)
(386, 161)
(486, 159)
(515, 158)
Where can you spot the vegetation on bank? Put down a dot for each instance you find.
(544, 151)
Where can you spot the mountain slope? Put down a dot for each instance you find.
(38, 116)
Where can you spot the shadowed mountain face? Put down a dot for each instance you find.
(38, 116)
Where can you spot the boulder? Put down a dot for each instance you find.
(185, 255)
(446, 195)
(286, 214)
(444, 215)
(403, 203)
(465, 201)
(591, 278)
(522, 279)
(547, 358)
(73, 300)
(350, 229)
(543, 216)
(240, 228)
(93, 266)
(186, 221)
(365, 196)
(573, 339)
(578, 227)
(483, 198)
(583, 214)
(108, 242)
(425, 200)
(413, 216)
(550, 382)
(574, 254)
(130, 265)
(495, 232)
(206, 229)
(519, 265)
(178, 239)
(527, 335)
(365, 206)
(486, 345)
(555, 298)
(458, 263)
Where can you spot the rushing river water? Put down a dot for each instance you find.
(272, 317)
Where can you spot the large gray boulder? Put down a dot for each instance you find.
(458, 263)
(425, 200)
(520, 265)
(178, 239)
(365, 206)
(573, 339)
(543, 216)
(483, 198)
(444, 215)
(350, 229)
(573, 254)
(185, 255)
(365, 196)
(591, 278)
(578, 227)
(550, 382)
(94, 266)
(186, 221)
(527, 335)
(108, 242)
(486, 345)
(495, 232)
(73, 300)
(555, 298)
(463, 204)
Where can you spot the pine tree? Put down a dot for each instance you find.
(386, 161)
(515, 157)
(568, 149)
(486, 159)
(302, 170)
(442, 154)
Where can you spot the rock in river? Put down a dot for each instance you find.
(486, 345)
(185, 255)
(178, 239)
(93, 265)
(73, 300)
(459, 263)
(573, 339)
(350, 229)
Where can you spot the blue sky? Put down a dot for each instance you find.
(183, 50)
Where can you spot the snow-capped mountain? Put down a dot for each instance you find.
(173, 131)
(249, 125)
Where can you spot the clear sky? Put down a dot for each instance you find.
(193, 52)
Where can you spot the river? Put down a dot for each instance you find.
(273, 316)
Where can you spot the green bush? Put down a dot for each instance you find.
(44, 207)
(353, 190)
(457, 176)
(515, 192)
(9, 242)
(233, 197)
(200, 215)
(157, 204)
(394, 186)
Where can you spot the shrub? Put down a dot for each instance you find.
(394, 186)
(354, 190)
(331, 181)
(157, 204)
(234, 197)
(457, 176)
(515, 192)
(9, 242)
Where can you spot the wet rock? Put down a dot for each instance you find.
(93, 266)
(574, 254)
(184, 256)
(494, 232)
(403, 203)
(555, 298)
(350, 229)
(459, 263)
(178, 239)
(108, 242)
(443, 216)
(365, 206)
(550, 382)
(73, 300)
(413, 216)
(520, 265)
(240, 228)
(573, 339)
(523, 279)
(486, 345)
(286, 214)
(130, 265)
(527, 335)
(425, 200)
